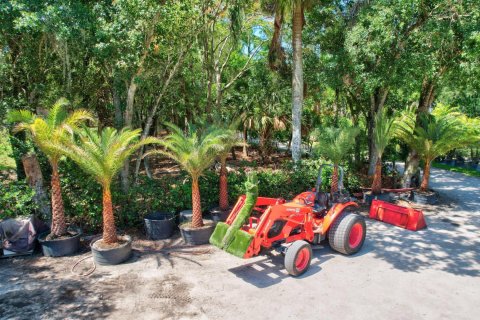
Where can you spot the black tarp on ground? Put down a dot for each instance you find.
(19, 235)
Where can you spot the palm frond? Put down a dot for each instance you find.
(335, 143)
(193, 151)
(24, 116)
(48, 132)
(441, 131)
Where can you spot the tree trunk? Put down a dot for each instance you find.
(223, 185)
(59, 226)
(218, 89)
(412, 162)
(245, 141)
(426, 176)
(128, 119)
(377, 178)
(276, 56)
(109, 230)
(297, 81)
(377, 101)
(35, 181)
(197, 221)
(117, 105)
(334, 186)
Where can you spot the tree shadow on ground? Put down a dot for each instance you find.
(271, 270)
(445, 245)
(465, 190)
(31, 291)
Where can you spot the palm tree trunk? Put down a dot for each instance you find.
(377, 177)
(197, 221)
(59, 227)
(334, 187)
(223, 185)
(297, 80)
(426, 177)
(109, 230)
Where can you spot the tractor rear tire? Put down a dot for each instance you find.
(347, 233)
(298, 258)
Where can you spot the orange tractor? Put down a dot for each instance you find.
(292, 227)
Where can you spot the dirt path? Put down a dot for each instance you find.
(399, 274)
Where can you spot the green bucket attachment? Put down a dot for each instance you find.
(230, 237)
(217, 236)
(238, 245)
(241, 241)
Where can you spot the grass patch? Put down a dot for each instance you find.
(468, 172)
(6, 161)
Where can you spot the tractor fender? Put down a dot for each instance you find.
(334, 213)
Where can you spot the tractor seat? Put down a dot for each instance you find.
(321, 203)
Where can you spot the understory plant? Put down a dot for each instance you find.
(194, 151)
(334, 145)
(102, 155)
(47, 133)
(438, 133)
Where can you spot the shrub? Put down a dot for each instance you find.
(16, 199)
(172, 193)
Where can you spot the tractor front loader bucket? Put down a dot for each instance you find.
(230, 237)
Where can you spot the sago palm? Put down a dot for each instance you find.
(194, 152)
(102, 155)
(47, 133)
(334, 145)
(439, 132)
(386, 128)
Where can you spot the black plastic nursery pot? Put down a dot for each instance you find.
(60, 247)
(105, 256)
(159, 225)
(185, 216)
(219, 215)
(421, 197)
(197, 236)
(368, 197)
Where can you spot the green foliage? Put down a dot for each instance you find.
(6, 160)
(49, 131)
(172, 193)
(16, 199)
(388, 127)
(335, 143)
(194, 151)
(102, 155)
(440, 132)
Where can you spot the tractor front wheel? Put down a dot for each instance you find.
(347, 233)
(298, 258)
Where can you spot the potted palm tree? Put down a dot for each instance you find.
(437, 133)
(334, 144)
(229, 141)
(47, 133)
(102, 155)
(194, 152)
(386, 128)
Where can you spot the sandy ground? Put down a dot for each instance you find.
(399, 274)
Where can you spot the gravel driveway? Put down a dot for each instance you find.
(399, 274)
